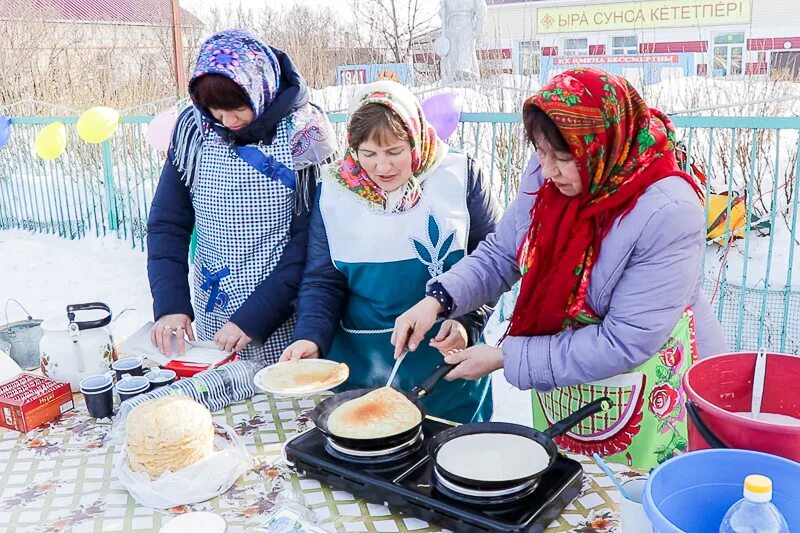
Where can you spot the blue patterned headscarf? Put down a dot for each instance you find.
(244, 58)
(276, 91)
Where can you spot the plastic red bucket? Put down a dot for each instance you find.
(719, 386)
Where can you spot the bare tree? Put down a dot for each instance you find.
(314, 39)
(393, 24)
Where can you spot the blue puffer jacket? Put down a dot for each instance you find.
(172, 215)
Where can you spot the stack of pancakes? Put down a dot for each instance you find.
(380, 413)
(167, 434)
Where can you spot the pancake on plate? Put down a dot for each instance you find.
(304, 375)
(381, 413)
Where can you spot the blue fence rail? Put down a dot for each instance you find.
(106, 189)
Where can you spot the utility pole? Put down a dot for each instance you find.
(177, 49)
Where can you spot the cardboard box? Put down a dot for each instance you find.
(28, 401)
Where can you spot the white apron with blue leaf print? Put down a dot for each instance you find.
(388, 258)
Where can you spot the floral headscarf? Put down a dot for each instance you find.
(621, 148)
(244, 58)
(427, 150)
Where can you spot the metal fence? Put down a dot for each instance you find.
(107, 189)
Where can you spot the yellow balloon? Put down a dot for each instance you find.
(97, 124)
(51, 141)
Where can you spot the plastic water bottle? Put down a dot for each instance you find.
(754, 513)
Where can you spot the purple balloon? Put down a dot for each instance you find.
(5, 130)
(443, 113)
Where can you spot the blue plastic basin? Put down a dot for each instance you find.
(691, 493)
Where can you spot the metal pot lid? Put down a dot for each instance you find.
(20, 325)
(492, 457)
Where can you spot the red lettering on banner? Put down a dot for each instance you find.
(610, 60)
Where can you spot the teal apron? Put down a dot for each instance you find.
(388, 259)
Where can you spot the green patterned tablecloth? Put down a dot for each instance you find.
(60, 477)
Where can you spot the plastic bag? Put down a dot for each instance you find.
(196, 483)
(290, 519)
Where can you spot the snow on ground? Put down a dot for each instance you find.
(45, 273)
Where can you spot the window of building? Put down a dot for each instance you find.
(624, 46)
(530, 55)
(576, 47)
(727, 54)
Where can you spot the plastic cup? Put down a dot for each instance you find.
(132, 366)
(130, 386)
(159, 377)
(98, 393)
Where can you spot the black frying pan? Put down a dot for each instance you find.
(544, 438)
(323, 410)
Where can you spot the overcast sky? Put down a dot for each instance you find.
(200, 6)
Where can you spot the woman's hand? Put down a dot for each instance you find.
(452, 337)
(162, 330)
(301, 349)
(410, 327)
(474, 362)
(231, 338)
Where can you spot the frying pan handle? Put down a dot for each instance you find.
(430, 382)
(562, 426)
(701, 426)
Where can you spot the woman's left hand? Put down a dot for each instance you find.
(231, 338)
(474, 362)
(452, 337)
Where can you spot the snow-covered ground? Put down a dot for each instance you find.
(46, 273)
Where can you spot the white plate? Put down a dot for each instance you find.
(314, 365)
(195, 521)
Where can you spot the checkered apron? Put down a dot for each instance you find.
(242, 218)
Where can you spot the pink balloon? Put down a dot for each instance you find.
(159, 130)
(443, 113)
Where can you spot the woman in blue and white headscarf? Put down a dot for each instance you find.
(241, 172)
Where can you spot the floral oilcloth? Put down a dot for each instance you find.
(60, 478)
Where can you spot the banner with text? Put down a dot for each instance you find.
(614, 60)
(642, 15)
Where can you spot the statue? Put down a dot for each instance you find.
(462, 24)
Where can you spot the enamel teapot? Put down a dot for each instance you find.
(73, 349)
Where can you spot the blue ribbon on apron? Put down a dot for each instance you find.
(212, 282)
(267, 165)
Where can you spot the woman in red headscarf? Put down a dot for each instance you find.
(606, 237)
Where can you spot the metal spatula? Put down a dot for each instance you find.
(396, 366)
(758, 383)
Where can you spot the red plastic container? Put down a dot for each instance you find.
(722, 385)
(187, 370)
